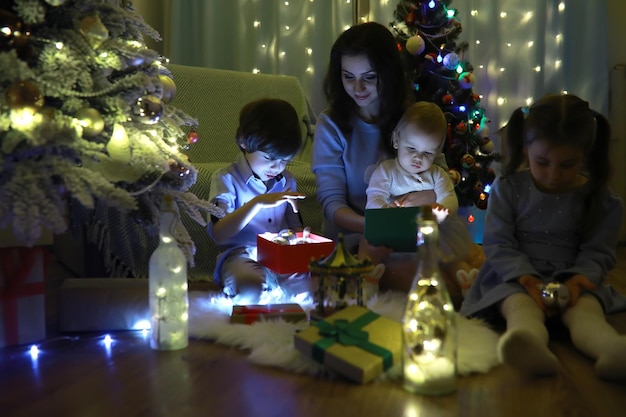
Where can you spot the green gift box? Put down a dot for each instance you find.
(354, 342)
(392, 227)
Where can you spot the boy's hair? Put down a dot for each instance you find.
(271, 126)
(564, 119)
(378, 44)
(427, 117)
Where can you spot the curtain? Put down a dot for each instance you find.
(520, 49)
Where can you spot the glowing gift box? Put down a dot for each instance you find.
(354, 342)
(249, 314)
(289, 259)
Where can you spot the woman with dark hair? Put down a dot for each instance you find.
(367, 92)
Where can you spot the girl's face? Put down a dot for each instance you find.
(361, 83)
(555, 169)
(264, 166)
(416, 150)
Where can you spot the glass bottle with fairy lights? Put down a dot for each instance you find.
(168, 288)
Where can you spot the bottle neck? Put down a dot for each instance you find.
(428, 248)
(167, 223)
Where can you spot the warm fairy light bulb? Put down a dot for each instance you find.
(529, 101)
(502, 15)
(58, 45)
(287, 27)
(286, 3)
(559, 37)
(564, 92)
(474, 12)
(502, 69)
(477, 41)
(508, 44)
(501, 101)
(309, 69)
(256, 70)
(530, 44)
(561, 7)
(25, 117)
(256, 23)
(527, 17)
(283, 53)
(537, 68)
(557, 64)
(309, 51)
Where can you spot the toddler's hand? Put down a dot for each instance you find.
(440, 212)
(416, 198)
(576, 284)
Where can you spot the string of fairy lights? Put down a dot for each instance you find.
(514, 61)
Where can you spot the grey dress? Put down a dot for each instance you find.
(531, 232)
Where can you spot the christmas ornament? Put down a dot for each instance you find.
(451, 61)
(55, 3)
(447, 99)
(23, 94)
(468, 161)
(91, 120)
(148, 109)
(118, 147)
(481, 201)
(466, 80)
(94, 30)
(169, 88)
(415, 45)
(555, 296)
(487, 146)
(192, 137)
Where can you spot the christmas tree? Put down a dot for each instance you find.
(85, 119)
(427, 31)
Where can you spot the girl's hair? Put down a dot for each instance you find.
(564, 119)
(271, 126)
(427, 117)
(377, 43)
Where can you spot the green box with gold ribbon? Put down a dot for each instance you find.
(354, 342)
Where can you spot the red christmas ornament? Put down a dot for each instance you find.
(447, 99)
(192, 137)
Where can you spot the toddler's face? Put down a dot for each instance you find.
(360, 82)
(416, 150)
(263, 165)
(554, 169)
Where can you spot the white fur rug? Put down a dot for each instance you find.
(270, 343)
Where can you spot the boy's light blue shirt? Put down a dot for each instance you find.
(234, 186)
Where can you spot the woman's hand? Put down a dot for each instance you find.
(576, 284)
(375, 253)
(416, 198)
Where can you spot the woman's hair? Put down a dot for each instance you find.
(564, 119)
(271, 126)
(377, 43)
(427, 117)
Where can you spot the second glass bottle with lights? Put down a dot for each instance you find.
(429, 325)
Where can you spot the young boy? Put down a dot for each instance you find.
(256, 193)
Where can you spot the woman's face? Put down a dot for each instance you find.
(555, 169)
(361, 83)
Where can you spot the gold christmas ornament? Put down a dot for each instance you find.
(169, 88)
(91, 120)
(94, 30)
(55, 3)
(23, 94)
(415, 45)
(148, 109)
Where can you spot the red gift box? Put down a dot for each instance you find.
(249, 314)
(22, 295)
(289, 259)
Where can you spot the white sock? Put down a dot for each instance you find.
(596, 338)
(524, 345)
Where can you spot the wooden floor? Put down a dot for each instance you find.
(77, 375)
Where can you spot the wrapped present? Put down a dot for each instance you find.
(22, 295)
(249, 314)
(354, 342)
(103, 304)
(289, 259)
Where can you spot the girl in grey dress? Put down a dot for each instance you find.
(552, 218)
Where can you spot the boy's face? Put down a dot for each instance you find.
(264, 166)
(416, 150)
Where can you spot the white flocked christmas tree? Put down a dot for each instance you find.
(85, 119)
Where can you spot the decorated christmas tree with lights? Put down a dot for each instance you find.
(427, 31)
(85, 119)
